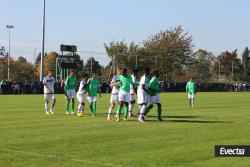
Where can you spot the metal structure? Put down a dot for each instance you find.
(67, 62)
(43, 40)
(9, 27)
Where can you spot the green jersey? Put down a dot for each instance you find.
(70, 82)
(191, 87)
(125, 83)
(93, 87)
(153, 85)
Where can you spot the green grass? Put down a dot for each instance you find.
(186, 137)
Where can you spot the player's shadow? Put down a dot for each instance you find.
(197, 121)
(185, 119)
(182, 117)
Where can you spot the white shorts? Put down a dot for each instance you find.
(80, 97)
(142, 97)
(114, 98)
(124, 96)
(132, 97)
(154, 99)
(48, 96)
(191, 96)
(71, 93)
(91, 99)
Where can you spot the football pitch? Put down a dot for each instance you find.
(186, 137)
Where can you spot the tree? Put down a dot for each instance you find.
(173, 50)
(246, 63)
(229, 66)
(93, 65)
(201, 67)
(21, 70)
(49, 63)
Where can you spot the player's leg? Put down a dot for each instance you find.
(192, 101)
(142, 108)
(81, 104)
(67, 101)
(151, 104)
(189, 100)
(119, 109)
(94, 105)
(72, 106)
(53, 103)
(126, 111)
(131, 105)
(73, 94)
(46, 103)
(159, 110)
(111, 108)
(121, 98)
(126, 103)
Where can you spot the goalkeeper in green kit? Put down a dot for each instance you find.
(70, 92)
(92, 90)
(191, 92)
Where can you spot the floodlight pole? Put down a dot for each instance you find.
(43, 39)
(9, 27)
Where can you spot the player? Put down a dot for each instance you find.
(191, 92)
(81, 95)
(70, 93)
(124, 93)
(154, 98)
(132, 94)
(142, 94)
(49, 93)
(114, 93)
(93, 89)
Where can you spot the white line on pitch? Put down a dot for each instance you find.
(54, 157)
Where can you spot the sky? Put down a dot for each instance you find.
(216, 25)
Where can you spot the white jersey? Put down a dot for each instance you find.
(115, 90)
(81, 89)
(143, 81)
(131, 86)
(49, 82)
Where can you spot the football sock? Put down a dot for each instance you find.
(131, 107)
(110, 110)
(126, 112)
(142, 110)
(190, 102)
(159, 110)
(91, 107)
(73, 106)
(94, 107)
(67, 106)
(46, 105)
(80, 107)
(119, 110)
(53, 105)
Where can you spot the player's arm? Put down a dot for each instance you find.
(66, 83)
(87, 88)
(186, 88)
(115, 83)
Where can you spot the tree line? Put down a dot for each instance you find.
(171, 51)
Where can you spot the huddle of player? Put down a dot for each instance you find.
(90, 87)
(124, 90)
